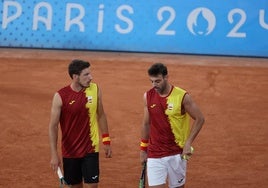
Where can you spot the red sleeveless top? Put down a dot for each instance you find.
(165, 136)
(74, 122)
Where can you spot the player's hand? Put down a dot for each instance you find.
(187, 152)
(55, 162)
(108, 151)
(143, 156)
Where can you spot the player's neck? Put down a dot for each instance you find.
(166, 91)
(76, 87)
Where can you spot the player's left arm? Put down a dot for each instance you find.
(193, 110)
(53, 131)
(144, 131)
(102, 120)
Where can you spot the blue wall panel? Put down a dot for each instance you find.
(237, 27)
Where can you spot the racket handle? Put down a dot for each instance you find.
(59, 173)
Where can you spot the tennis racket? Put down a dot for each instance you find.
(61, 178)
(143, 176)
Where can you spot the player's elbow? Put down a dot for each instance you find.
(201, 120)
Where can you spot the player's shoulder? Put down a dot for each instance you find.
(180, 89)
(65, 88)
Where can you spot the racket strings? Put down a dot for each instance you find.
(143, 176)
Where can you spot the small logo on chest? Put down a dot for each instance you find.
(89, 99)
(170, 106)
(153, 105)
(71, 102)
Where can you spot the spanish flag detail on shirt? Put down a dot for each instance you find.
(169, 127)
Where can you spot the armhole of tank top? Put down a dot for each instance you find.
(182, 106)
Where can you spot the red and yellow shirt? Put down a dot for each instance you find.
(78, 121)
(169, 127)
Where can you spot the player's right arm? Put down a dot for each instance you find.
(144, 129)
(53, 130)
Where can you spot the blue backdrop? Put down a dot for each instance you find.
(237, 27)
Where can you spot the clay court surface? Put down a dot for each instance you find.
(231, 150)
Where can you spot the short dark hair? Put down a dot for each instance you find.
(158, 68)
(76, 66)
